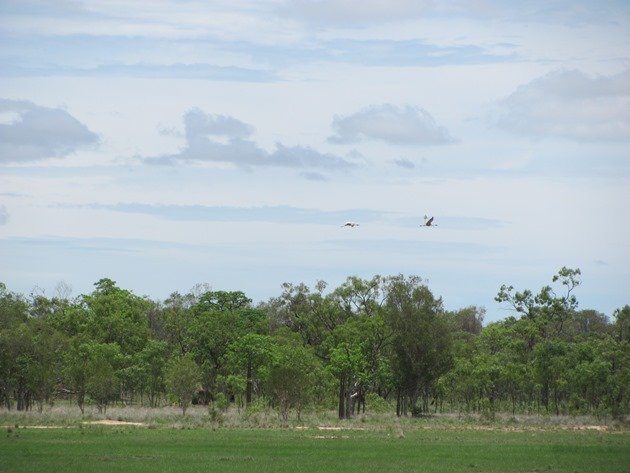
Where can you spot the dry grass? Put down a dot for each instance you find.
(69, 415)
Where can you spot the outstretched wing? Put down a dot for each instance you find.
(429, 222)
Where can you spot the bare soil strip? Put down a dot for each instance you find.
(114, 422)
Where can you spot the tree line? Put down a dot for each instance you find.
(384, 341)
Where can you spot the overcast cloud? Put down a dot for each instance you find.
(394, 125)
(29, 132)
(278, 120)
(277, 214)
(4, 215)
(570, 104)
(200, 147)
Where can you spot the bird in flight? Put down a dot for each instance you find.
(350, 224)
(428, 222)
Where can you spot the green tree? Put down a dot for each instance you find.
(348, 365)
(358, 352)
(292, 374)
(102, 382)
(176, 321)
(44, 371)
(622, 323)
(76, 368)
(13, 308)
(219, 319)
(246, 356)
(420, 339)
(548, 309)
(16, 359)
(183, 377)
(118, 316)
(153, 359)
(311, 314)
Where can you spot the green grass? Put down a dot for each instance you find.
(129, 449)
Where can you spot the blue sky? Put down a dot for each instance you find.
(174, 142)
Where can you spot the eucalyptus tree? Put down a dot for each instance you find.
(183, 377)
(312, 314)
(621, 328)
(549, 310)
(102, 382)
(46, 357)
(546, 318)
(153, 359)
(15, 359)
(292, 374)
(246, 356)
(13, 314)
(420, 339)
(176, 320)
(13, 308)
(361, 297)
(76, 368)
(219, 319)
(117, 316)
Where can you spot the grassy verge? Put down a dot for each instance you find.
(134, 449)
(66, 414)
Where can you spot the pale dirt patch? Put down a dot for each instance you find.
(114, 422)
(599, 428)
(326, 427)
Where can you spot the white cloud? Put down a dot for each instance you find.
(313, 176)
(272, 214)
(355, 11)
(404, 163)
(4, 215)
(400, 126)
(570, 104)
(198, 123)
(366, 12)
(35, 132)
(220, 138)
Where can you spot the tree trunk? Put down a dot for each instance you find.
(342, 397)
(349, 403)
(544, 394)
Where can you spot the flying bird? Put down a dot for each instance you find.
(428, 222)
(350, 224)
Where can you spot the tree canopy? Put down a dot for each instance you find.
(384, 338)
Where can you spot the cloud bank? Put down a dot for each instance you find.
(29, 132)
(569, 104)
(357, 13)
(196, 71)
(391, 124)
(4, 215)
(404, 163)
(220, 138)
(272, 214)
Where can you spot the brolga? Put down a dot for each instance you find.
(350, 224)
(428, 222)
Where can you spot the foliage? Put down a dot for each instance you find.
(362, 346)
(291, 376)
(182, 378)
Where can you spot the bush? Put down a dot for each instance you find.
(376, 404)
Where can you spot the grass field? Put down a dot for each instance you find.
(380, 445)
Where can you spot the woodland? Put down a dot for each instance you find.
(379, 343)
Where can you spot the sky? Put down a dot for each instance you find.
(168, 143)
